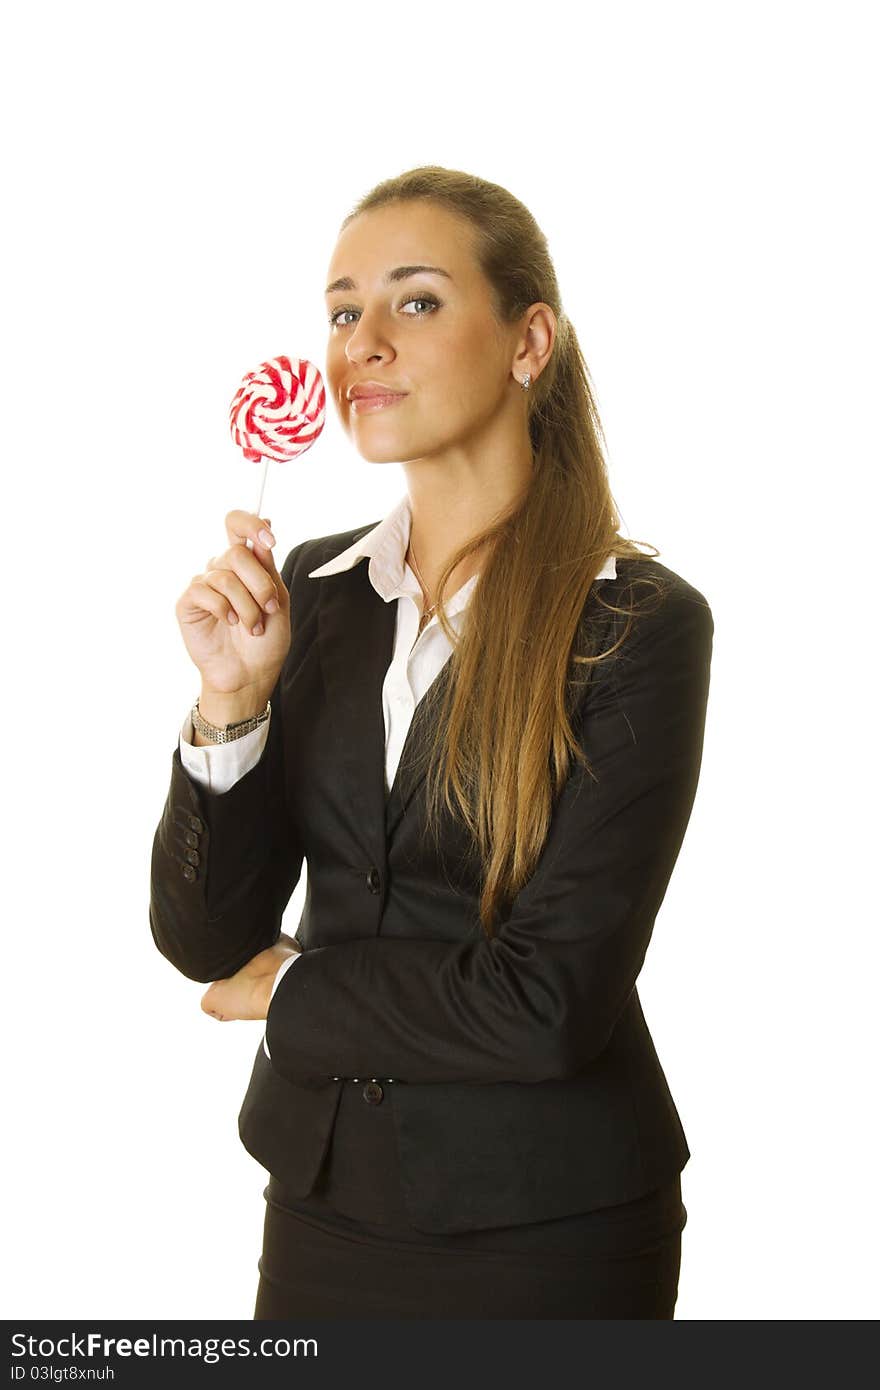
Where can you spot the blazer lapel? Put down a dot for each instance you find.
(356, 630)
(355, 645)
(415, 754)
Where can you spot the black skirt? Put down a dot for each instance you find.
(349, 1250)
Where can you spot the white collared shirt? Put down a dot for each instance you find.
(417, 658)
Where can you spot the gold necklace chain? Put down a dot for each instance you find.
(426, 615)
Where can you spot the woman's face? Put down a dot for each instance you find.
(429, 335)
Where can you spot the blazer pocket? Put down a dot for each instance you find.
(286, 1127)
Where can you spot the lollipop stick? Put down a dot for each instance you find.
(249, 543)
(263, 485)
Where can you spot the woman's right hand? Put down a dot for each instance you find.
(219, 610)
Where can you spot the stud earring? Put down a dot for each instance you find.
(525, 381)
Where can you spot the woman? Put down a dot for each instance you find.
(485, 743)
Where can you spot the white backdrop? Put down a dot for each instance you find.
(175, 177)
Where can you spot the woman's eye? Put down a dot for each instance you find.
(413, 299)
(419, 299)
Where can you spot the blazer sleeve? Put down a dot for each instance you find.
(540, 1000)
(224, 864)
(218, 766)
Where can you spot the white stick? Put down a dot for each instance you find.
(249, 543)
(263, 484)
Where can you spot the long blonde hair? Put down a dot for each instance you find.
(503, 740)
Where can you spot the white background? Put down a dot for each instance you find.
(175, 176)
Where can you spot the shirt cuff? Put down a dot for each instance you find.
(218, 766)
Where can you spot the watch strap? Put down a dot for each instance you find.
(227, 733)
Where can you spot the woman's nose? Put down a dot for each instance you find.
(366, 340)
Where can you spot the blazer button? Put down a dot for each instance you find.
(189, 872)
(374, 882)
(194, 823)
(193, 856)
(191, 838)
(373, 1093)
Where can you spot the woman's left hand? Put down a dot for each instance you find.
(246, 994)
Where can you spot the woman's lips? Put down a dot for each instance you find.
(362, 404)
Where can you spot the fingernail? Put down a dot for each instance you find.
(267, 538)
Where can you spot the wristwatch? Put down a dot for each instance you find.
(227, 732)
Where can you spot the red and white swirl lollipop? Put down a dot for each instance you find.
(278, 412)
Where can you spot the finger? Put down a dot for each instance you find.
(266, 557)
(208, 1005)
(237, 594)
(242, 527)
(256, 569)
(200, 598)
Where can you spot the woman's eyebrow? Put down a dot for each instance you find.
(402, 272)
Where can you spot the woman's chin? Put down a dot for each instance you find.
(376, 449)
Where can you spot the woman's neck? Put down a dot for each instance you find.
(429, 582)
(440, 526)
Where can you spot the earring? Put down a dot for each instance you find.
(525, 381)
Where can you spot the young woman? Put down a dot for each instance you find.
(479, 721)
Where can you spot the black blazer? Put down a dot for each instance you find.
(526, 1085)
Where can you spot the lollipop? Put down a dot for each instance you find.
(278, 412)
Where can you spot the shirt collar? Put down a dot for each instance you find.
(386, 545)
